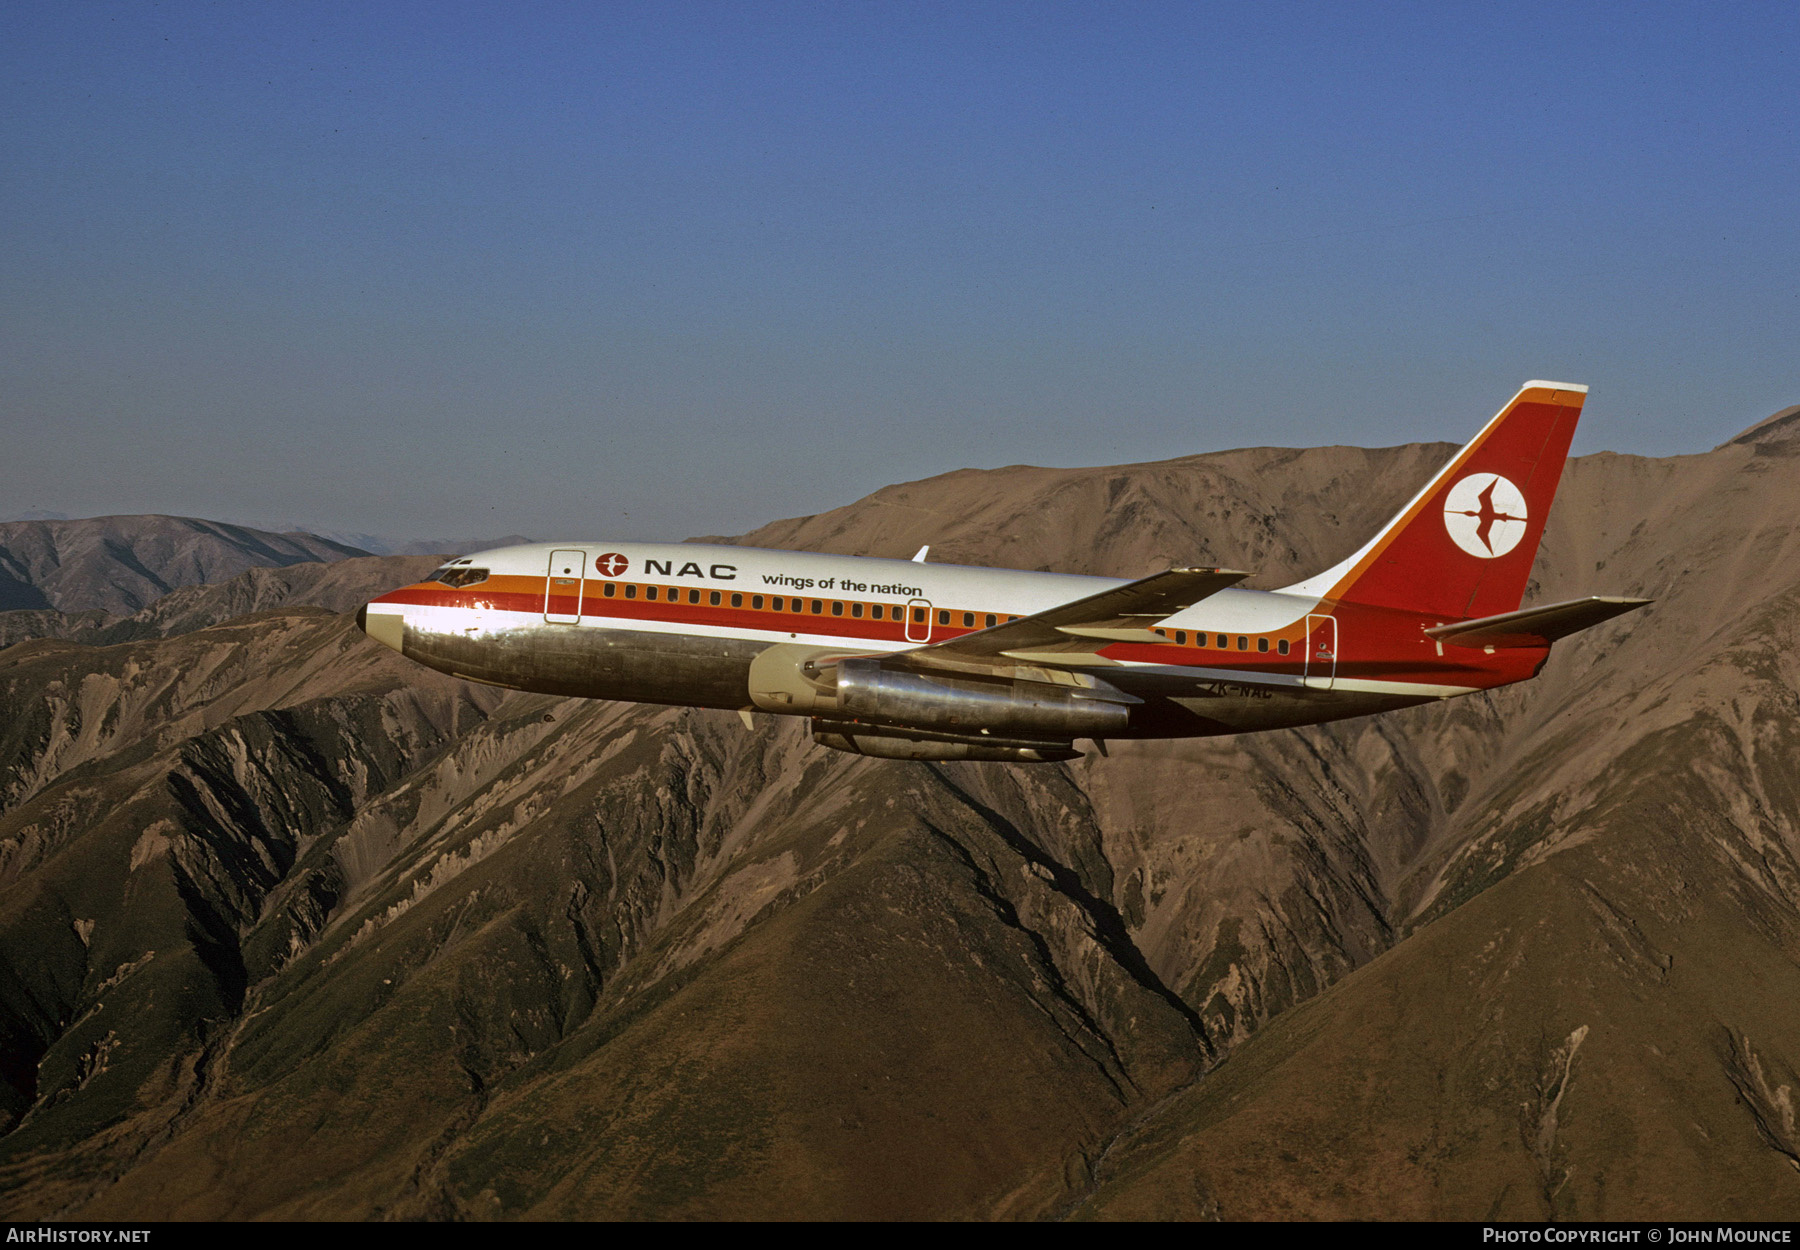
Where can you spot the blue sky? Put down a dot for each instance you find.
(653, 270)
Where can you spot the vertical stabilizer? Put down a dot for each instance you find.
(1465, 544)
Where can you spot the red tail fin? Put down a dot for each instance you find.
(1464, 546)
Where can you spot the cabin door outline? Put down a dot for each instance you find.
(564, 578)
(1321, 652)
(918, 630)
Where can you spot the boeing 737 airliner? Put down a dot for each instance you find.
(905, 659)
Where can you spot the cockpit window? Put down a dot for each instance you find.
(460, 577)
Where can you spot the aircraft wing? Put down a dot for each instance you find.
(1073, 633)
(1535, 627)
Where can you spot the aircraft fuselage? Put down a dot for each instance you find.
(681, 624)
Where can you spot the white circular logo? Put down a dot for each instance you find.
(1485, 515)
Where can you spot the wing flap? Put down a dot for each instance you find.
(1535, 627)
(1128, 633)
(1080, 656)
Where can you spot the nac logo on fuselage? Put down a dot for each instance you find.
(612, 564)
(1485, 515)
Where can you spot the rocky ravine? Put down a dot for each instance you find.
(295, 928)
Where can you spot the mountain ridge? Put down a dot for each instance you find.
(119, 564)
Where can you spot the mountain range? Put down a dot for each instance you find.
(119, 564)
(291, 927)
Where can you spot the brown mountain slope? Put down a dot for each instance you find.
(1608, 1033)
(1782, 427)
(291, 928)
(120, 564)
(651, 849)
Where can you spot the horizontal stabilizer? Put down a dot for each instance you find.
(1073, 633)
(1535, 627)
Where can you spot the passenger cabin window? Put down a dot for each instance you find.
(631, 592)
(918, 616)
(713, 598)
(611, 588)
(1222, 643)
(1181, 637)
(776, 603)
(968, 620)
(991, 620)
(1262, 644)
(818, 607)
(756, 602)
(650, 593)
(737, 601)
(1282, 646)
(943, 618)
(875, 611)
(1243, 643)
(458, 578)
(693, 596)
(837, 609)
(856, 609)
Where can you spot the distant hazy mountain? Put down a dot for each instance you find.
(340, 586)
(118, 564)
(387, 545)
(291, 927)
(454, 546)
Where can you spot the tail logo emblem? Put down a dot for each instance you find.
(1485, 515)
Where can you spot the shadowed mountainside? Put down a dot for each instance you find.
(293, 927)
(119, 564)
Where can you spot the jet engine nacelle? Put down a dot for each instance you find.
(871, 694)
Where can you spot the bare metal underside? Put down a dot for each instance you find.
(683, 669)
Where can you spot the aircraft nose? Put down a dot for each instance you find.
(386, 623)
